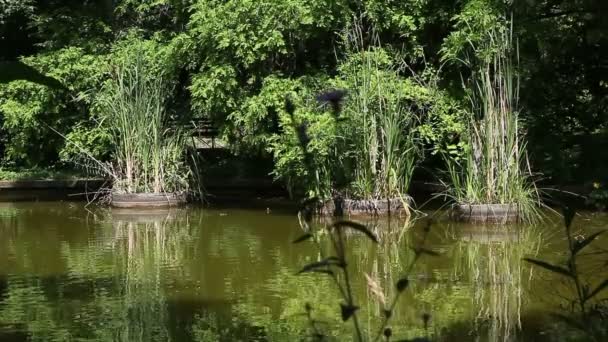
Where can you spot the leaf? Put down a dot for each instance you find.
(421, 250)
(348, 311)
(402, 284)
(578, 246)
(550, 267)
(358, 227)
(313, 267)
(568, 213)
(302, 238)
(598, 289)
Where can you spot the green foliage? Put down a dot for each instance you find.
(391, 120)
(469, 41)
(563, 86)
(37, 173)
(370, 149)
(29, 109)
(264, 123)
(240, 43)
(220, 59)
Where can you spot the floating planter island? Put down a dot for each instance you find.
(486, 213)
(355, 207)
(147, 200)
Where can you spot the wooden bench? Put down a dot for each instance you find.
(199, 127)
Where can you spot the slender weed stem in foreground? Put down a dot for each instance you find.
(336, 266)
(587, 319)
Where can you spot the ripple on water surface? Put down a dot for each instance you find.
(70, 272)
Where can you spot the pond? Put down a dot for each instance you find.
(75, 273)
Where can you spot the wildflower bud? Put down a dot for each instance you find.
(402, 284)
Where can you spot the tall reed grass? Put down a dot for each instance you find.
(149, 155)
(495, 168)
(384, 147)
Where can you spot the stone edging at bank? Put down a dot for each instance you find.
(49, 190)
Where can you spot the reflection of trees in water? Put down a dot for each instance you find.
(143, 248)
(491, 262)
(383, 264)
(111, 291)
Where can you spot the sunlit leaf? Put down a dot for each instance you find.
(550, 267)
(358, 227)
(578, 246)
(302, 238)
(348, 311)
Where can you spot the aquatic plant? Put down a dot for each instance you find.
(336, 265)
(381, 137)
(588, 314)
(149, 155)
(495, 168)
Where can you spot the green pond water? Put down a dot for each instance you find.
(70, 273)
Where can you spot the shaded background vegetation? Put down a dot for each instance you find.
(233, 61)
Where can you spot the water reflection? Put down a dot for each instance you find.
(490, 260)
(67, 273)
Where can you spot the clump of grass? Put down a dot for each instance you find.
(381, 137)
(494, 168)
(336, 266)
(149, 155)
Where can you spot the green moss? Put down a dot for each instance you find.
(39, 174)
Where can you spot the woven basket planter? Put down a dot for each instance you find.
(486, 213)
(351, 207)
(147, 200)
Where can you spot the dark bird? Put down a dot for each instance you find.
(334, 98)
